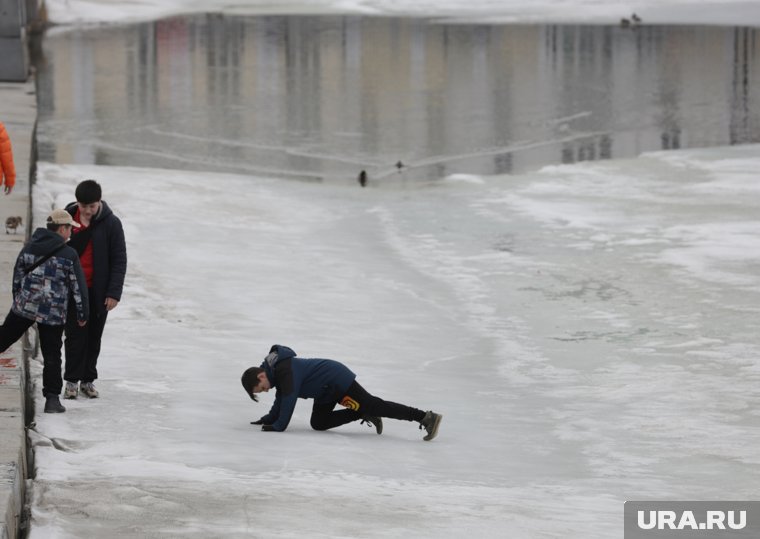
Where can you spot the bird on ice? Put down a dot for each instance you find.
(12, 223)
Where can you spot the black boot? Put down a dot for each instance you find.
(53, 405)
(373, 421)
(430, 423)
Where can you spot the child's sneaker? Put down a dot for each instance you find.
(88, 389)
(430, 423)
(71, 390)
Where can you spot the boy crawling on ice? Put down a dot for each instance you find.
(328, 382)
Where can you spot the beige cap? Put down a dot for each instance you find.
(62, 217)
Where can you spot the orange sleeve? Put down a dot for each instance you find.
(7, 168)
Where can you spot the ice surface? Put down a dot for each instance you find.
(723, 12)
(588, 332)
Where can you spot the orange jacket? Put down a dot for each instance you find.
(7, 169)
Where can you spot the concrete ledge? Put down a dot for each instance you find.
(13, 463)
(15, 58)
(18, 111)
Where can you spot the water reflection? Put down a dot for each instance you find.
(325, 97)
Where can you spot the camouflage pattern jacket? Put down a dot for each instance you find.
(43, 294)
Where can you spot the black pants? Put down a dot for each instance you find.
(82, 344)
(50, 343)
(358, 404)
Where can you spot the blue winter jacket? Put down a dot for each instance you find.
(323, 380)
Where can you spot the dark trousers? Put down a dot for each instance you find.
(82, 344)
(358, 404)
(50, 344)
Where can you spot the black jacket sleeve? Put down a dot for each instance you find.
(117, 259)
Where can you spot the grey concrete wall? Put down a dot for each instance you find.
(32, 12)
(12, 17)
(18, 111)
(14, 58)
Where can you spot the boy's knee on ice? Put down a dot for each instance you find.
(318, 423)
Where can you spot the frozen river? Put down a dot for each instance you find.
(588, 332)
(587, 329)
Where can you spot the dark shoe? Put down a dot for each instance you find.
(430, 423)
(53, 405)
(373, 421)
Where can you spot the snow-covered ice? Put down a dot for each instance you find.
(585, 330)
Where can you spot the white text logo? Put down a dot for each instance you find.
(672, 520)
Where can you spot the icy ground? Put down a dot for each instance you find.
(589, 333)
(723, 12)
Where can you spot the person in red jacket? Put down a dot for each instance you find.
(7, 168)
(102, 252)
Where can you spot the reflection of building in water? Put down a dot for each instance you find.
(502, 163)
(691, 92)
(671, 140)
(744, 109)
(587, 149)
(668, 92)
(317, 97)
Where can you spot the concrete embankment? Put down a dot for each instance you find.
(18, 111)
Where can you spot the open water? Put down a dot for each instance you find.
(323, 97)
